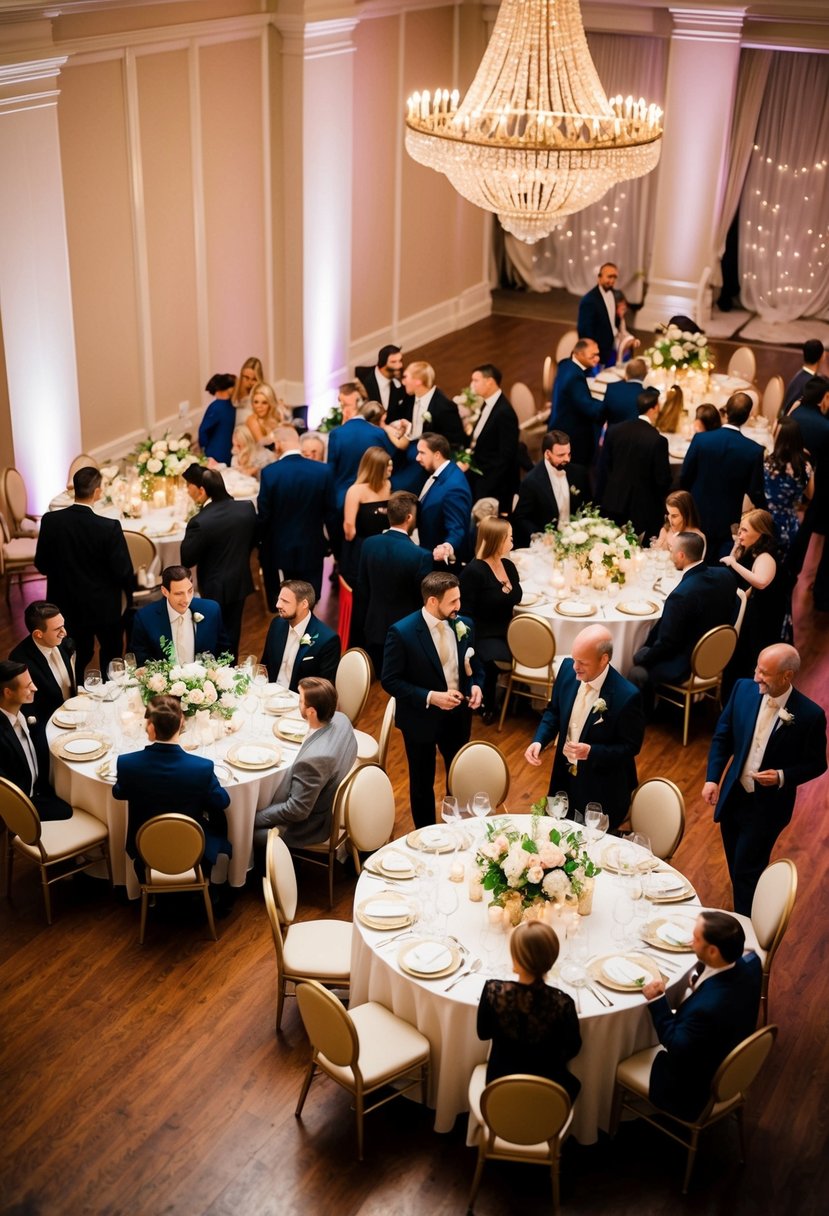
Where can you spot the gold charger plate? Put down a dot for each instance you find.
(643, 864)
(232, 757)
(629, 608)
(288, 728)
(406, 917)
(68, 719)
(429, 975)
(415, 841)
(671, 897)
(290, 702)
(532, 597)
(384, 871)
(58, 746)
(82, 703)
(596, 969)
(585, 610)
(651, 936)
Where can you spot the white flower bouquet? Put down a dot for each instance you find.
(595, 543)
(528, 870)
(675, 347)
(207, 683)
(168, 456)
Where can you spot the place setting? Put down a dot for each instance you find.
(254, 757)
(391, 866)
(80, 747)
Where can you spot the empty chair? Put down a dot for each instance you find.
(548, 375)
(657, 809)
(742, 364)
(362, 1050)
(171, 847)
(368, 810)
(14, 503)
(385, 733)
(520, 1118)
(353, 684)
(479, 767)
(17, 557)
(773, 395)
(566, 342)
(771, 910)
(532, 645)
(727, 1097)
(315, 949)
(60, 848)
(325, 852)
(709, 660)
(144, 556)
(84, 461)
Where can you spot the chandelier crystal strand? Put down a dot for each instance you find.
(536, 138)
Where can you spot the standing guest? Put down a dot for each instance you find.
(432, 671)
(681, 515)
(392, 568)
(621, 401)
(789, 480)
(635, 470)
(49, 656)
(299, 644)
(431, 410)
(305, 798)
(717, 1011)
(88, 571)
(394, 432)
(250, 375)
(490, 589)
(575, 411)
(810, 414)
(248, 456)
(24, 754)
(720, 468)
(707, 418)
(755, 563)
(445, 502)
(775, 738)
(219, 421)
(365, 509)
(382, 383)
(192, 624)
(551, 492)
(219, 541)
(294, 510)
(494, 441)
(267, 413)
(597, 717)
(312, 446)
(812, 355)
(598, 316)
(348, 443)
(533, 1026)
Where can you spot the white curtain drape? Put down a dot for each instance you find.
(617, 227)
(784, 208)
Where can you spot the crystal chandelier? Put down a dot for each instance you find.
(536, 138)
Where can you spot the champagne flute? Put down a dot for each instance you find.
(446, 902)
(480, 807)
(130, 663)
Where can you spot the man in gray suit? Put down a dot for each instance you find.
(306, 796)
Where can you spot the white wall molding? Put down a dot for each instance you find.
(139, 239)
(199, 218)
(707, 24)
(165, 38)
(435, 322)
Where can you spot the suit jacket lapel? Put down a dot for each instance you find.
(17, 746)
(302, 651)
(750, 720)
(424, 635)
(568, 701)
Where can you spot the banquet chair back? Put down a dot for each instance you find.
(548, 375)
(17, 557)
(773, 395)
(657, 809)
(385, 733)
(325, 852)
(771, 910)
(143, 553)
(523, 402)
(742, 364)
(566, 342)
(524, 1119)
(83, 461)
(368, 806)
(279, 869)
(626, 347)
(14, 500)
(353, 683)
(171, 847)
(479, 767)
(532, 645)
(363, 1050)
(709, 659)
(60, 848)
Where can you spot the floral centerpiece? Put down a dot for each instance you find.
(525, 871)
(166, 457)
(333, 418)
(596, 543)
(678, 348)
(207, 683)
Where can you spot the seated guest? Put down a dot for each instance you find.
(489, 591)
(24, 756)
(718, 1010)
(50, 657)
(365, 512)
(193, 625)
(302, 811)
(755, 562)
(552, 492)
(217, 425)
(707, 418)
(267, 413)
(312, 446)
(534, 1027)
(164, 779)
(702, 600)
(621, 398)
(681, 515)
(248, 456)
(298, 643)
(634, 469)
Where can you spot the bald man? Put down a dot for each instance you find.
(598, 718)
(776, 740)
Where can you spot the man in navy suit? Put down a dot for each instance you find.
(598, 720)
(775, 738)
(392, 568)
(24, 754)
(431, 669)
(575, 411)
(295, 505)
(428, 409)
(706, 596)
(551, 492)
(494, 441)
(445, 510)
(716, 1013)
(193, 625)
(812, 355)
(598, 313)
(49, 656)
(347, 444)
(621, 401)
(298, 643)
(383, 383)
(720, 468)
(635, 471)
(164, 779)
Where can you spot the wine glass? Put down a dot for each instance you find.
(592, 814)
(117, 672)
(642, 844)
(480, 807)
(446, 902)
(92, 681)
(558, 805)
(622, 917)
(130, 664)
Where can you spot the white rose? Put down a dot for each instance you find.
(579, 538)
(178, 689)
(535, 874)
(154, 465)
(142, 457)
(196, 671)
(656, 359)
(227, 700)
(224, 678)
(210, 694)
(686, 336)
(184, 445)
(196, 696)
(158, 682)
(702, 340)
(676, 352)
(176, 672)
(556, 884)
(160, 445)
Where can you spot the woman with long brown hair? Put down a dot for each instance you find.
(489, 591)
(364, 510)
(755, 563)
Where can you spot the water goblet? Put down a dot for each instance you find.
(480, 807)
(92, 681)
(622, 918)
(446, 902)
(558, 805)
(117, 673)
(130, 663)
(592, 814)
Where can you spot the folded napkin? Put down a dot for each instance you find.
(623, 971)
(674, 934)
(396, 864)
(433, 837)
(642, 606)
(666, 882)
(387, 909)
(254, 755)
(428, 957)
(104, 770)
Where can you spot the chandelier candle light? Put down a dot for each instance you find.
(536, 138)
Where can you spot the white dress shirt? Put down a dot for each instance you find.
(609, 297)
(447, 649)
(483, 417)
(421, 407)
(586, 698)
(57, 667)
(766, 720)
(286, 667)
(183, 634)
(561, 491)
(383, 388)
(697, 979)
(430, 481)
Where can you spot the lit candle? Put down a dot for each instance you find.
(456, 871)
(159, 499)
(495, 914)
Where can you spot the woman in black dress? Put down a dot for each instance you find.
(756, 565)
(489, 591)
(364, 511)
(534, 1028)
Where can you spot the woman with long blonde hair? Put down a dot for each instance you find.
(249, 376)
(267, 413)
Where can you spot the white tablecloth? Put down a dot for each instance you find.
(448, 1019)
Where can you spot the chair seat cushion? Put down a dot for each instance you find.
(155, 878)
(477, 1085)
(20, 549)
(65, 837)
(318, 949)
(368, 749)
(635, 1071)
(388, 1046)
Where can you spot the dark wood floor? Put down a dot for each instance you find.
(147, 1080)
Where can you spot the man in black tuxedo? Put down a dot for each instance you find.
(720, 468)
(621, 401)
(705, 597)
(494, 441)
(219, 541)
(88, 569)
(811, 416)
(812, 355)
(597, 313)
(49, 656)
(635, 471)
(299, 644)
(553, 491)
(382, 383)
(392, 568)
(24, 755)
(427, 410)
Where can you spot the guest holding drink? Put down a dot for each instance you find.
(755, 562)
(267, 413)
(489, 592)
(248, 456)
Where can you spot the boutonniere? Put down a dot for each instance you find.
(198, 617)
(599, 707)
(461, 630)
(785, 717)
(307, 640)
(427, 417)
(575, 492)
(31, 721)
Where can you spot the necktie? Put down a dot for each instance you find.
(59, 671)
(695, 974)
(427, 487)
(765, 716)
(178, 627)
(443, 643)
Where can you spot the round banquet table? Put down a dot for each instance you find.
(80, 785)
(448, 1019)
